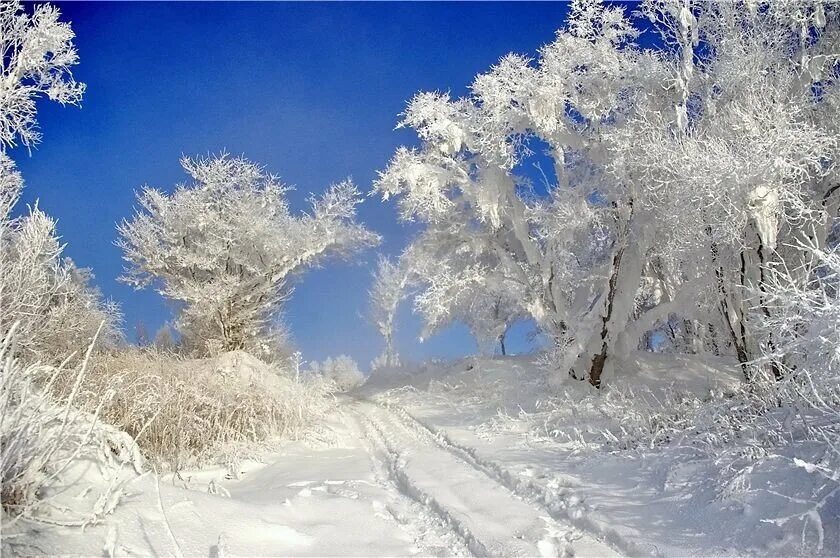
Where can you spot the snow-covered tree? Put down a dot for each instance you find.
(559, 255)
(225, 246)
(751, 147)
(391, 282)
(341, 370)
(675, 174)
(38, 53)
(462, 285)
(164, 339)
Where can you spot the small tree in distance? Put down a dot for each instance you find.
(225, 246)
(390, 284)
(341, 370)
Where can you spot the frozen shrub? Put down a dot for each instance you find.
(41, 440)
(341, 370)
(51, 300)
(802, 330)
(185, 412)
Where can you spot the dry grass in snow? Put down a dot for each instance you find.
(185, 412)
(46, 446)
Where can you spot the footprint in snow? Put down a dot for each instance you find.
(343, 492)
(557, 542)
(380, 509)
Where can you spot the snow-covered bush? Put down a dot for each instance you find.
(184, 412)
(226, 245)
(41, 439)
(56, 308)
(342, 371)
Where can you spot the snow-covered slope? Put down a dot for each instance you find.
(610, 464)
(473, 458)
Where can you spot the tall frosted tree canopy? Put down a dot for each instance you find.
(38, 53)
(225, 245)
(735, 117)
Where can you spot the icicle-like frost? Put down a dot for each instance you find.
(764, 206)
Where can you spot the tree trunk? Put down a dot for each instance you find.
(232, 329)
(389, 349)
(598, 361)
(739, 342)
(713, 338)
(631, 237)
(774, 366)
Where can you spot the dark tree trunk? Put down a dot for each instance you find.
(739, 342)
(713, 336)
(774, 366)
(598, 361)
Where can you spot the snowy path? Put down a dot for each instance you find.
(483, 509)
(388, 486)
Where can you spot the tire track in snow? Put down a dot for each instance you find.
(494, 520)
(559, 506)
(388, 464)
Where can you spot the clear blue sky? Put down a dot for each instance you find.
(310, 90)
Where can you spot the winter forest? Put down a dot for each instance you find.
(636, 225)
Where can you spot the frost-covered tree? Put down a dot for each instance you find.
(225, 246)
(391, 282)
(462, 285)
(751, 147)
(559, 255)
(675, 174)
(57, 309)
(341, 370)
(38, 53)
(164, 339)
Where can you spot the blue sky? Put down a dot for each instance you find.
(310, 90)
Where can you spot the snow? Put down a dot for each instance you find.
(688, 241)
(304, 500)
(651, 501)
(433, 467)
(384, 490)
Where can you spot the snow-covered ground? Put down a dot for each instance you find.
(672, 498)
(325, 498)
(380, 486)
(437, 462)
